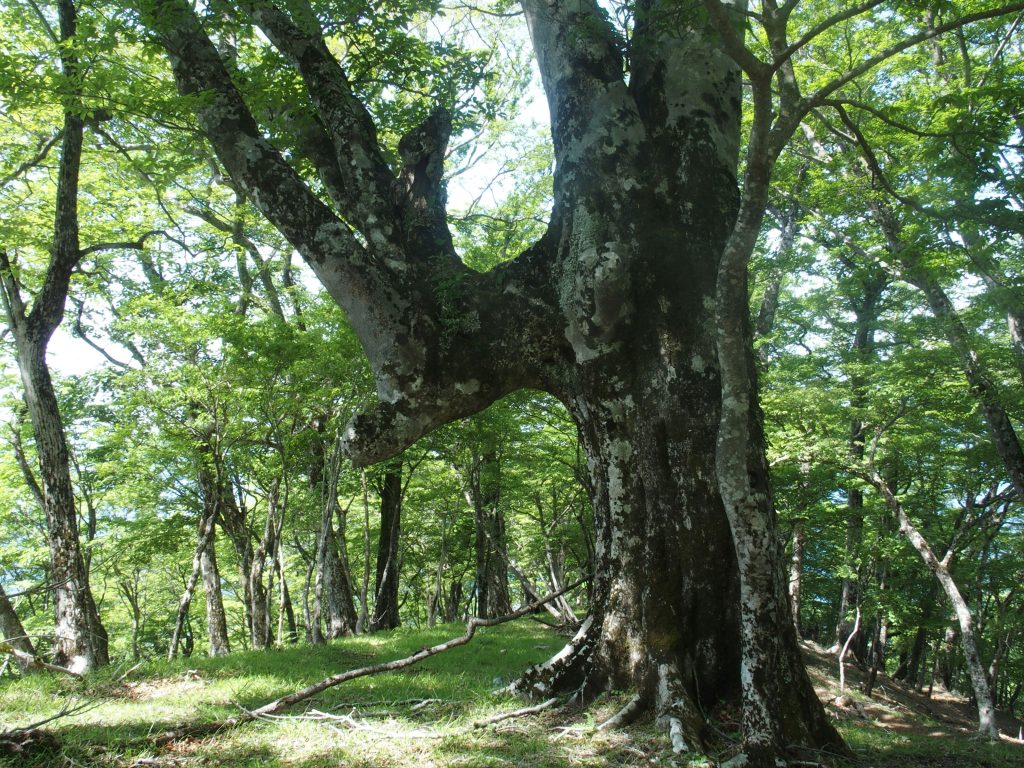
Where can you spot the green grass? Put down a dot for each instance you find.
(116, 728)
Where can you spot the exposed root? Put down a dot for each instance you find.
(567, 670)
(685, 723)
(516, 713)
(628, 714)
(675, 734)
(28, 743)
(279, 705)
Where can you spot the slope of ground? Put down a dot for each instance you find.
(431, 715)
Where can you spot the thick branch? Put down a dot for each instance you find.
(355, 277)
(579, 62)
(364, 174)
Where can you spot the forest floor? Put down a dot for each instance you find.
(431, 715)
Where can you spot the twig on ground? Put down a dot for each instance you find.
(515, 713)
(425, 703)
(65, 711)
(123, 675)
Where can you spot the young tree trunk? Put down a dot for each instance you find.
(286, 611)
(216, 618)
(866, 306)
(796, 568)
(235, 523)
(334, 604)
(910, 672)
(13, 632)
(81, 639)
(206, 528)
(484, 495)
(979, 682)
(385, 604)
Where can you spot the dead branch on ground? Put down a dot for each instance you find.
(282, 703)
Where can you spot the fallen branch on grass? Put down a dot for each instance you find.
(515, 713)
(33, 662)
(284, 702)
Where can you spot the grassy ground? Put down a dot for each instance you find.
(417, 718)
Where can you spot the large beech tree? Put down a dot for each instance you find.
(631, 309)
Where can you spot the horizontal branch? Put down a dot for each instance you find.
(122, 245)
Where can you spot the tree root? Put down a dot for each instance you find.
(572, 670)
(29, 661)
(628, 714)
(516, 713)
(565, 671)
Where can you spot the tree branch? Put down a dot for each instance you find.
(363, 171)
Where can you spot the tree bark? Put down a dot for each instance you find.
(796, 567)
(334, 605)
(216, 618)
(484, 495)
(206, 527)
(939, 568)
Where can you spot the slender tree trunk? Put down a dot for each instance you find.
(385, 606)
(235, 523)
(81, 639)
(286, 611)
(363, 622)
(14, 633)
(796, 567)
(216, 618)
(206, 526)
(979, 681)
(334, 603)
(911, 672)
(484, 495)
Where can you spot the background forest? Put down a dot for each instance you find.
(202, 379)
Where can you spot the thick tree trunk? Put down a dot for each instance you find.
(385, 604)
